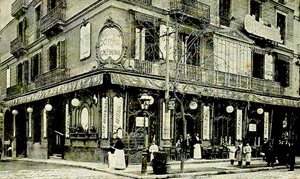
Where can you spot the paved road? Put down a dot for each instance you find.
(23, 170)
(272, 174)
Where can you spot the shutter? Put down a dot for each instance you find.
(48, 5)
(31, 69)
(58, 56)
(137, 43)
(62, 54)
(143, 43)
(39, 63)
(162, 41)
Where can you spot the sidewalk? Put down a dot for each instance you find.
(192, 167)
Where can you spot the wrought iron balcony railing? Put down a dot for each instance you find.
(18, 46)
(200, 76)
(14, 90)
(53, 21)
(192, 8)
(53, 76)
(19, 7)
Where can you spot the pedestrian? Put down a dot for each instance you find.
(153, 148)
(119, 155)
(197, 147)
(291, 158)
(232, 151)
(239, 155)
(264, 149)
(247, 151)
(270, 154)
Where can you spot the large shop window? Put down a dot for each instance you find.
(281, 23)
(282, 70)
(224, 12)
(37, 126)
(258, 65)
(84, 118)
(255, 9)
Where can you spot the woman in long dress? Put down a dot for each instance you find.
(232, 151)
(247, 151)
(119, 155)
(197, 148)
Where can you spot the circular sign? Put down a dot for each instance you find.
(284, 124)
(229, 109)
(110, 49)
(260, 111)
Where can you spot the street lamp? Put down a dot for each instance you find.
(145, 101)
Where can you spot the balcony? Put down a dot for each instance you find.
(14, 90)
(18, 8)
(261, 30)
(18, 46)
(190, 8)
(53, 22)
(53, 76)
(145, 3)
(199, 76)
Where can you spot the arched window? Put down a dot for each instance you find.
(85, 118)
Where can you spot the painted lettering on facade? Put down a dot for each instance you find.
(104, 117)
(118, 116)
(206, 118)
(85, 41)
(266, 125)
(239, 124)
(110, 44)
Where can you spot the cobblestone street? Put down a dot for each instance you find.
(35, 170)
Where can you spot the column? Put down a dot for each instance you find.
(14, 142)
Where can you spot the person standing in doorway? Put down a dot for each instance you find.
(247, 151)
(270, 154)
(197, 147)
(119, 155)
(153, 148)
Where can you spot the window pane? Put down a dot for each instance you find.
(85, 118)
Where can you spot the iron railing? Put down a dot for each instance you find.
(197, 75)
(139, 2)
(18, 5)
(53, 76)
(192, 8)
(19, 43)
(54, 17)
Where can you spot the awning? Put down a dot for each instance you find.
(159, 84)
(67, 87)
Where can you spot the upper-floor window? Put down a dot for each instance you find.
(22, 30)
(224, 12)
(26, 72)
(190, 52)
(282, 70)
(37, 19)
(255, 9)
(57, 55)
(35, 66)
(19, 74)
(147, 42)
(258, 66)
(51, 4)
(281, 23)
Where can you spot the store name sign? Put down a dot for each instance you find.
(239, 123)
(266, 125)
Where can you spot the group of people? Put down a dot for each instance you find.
(236, 152)
(192, 143)
(284, 151)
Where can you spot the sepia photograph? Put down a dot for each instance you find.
(149, 89)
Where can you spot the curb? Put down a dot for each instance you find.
(135, 176)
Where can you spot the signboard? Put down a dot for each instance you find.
(252, 127)
(110, 48)
(206, 118)
(104, 117)
(139, 121)
(266, 125)
(67, 121)
(118, 116)
(239, 124)
(85, 41)
(166, 123)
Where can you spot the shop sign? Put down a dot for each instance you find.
(252, 127)
(110, 49)
(104, 117)
(206, 118)
(139, 121)
(239, 123)
(266, 125)
(118, 116)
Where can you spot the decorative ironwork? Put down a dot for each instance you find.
(139, 2)
(18, 46)
(54, 20)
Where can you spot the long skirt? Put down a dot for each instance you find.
(119, 157)
(197, 151)
(248, 157)
(231, 155)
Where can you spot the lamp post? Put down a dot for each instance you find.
(145, 101)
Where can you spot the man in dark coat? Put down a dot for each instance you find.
(291, 158)
(271, 153)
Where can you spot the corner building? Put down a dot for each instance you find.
(72, 74)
